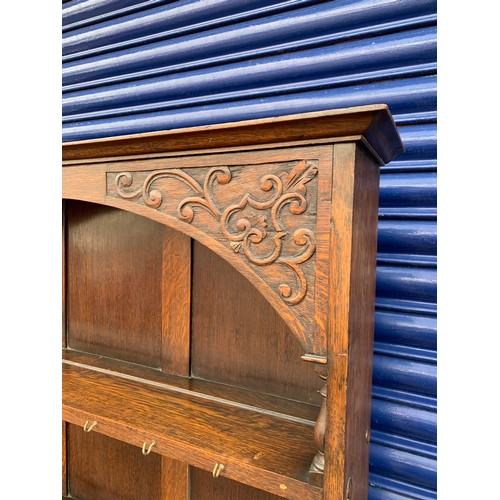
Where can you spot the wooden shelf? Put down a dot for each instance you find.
(263, 441)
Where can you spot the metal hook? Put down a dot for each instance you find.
(148, 451)
(217, 470)
(348, 489)
(88, 429)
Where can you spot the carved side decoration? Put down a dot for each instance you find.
(253, 225)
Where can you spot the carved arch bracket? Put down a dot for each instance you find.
(264, 215)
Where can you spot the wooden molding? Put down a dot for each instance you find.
(373, 124)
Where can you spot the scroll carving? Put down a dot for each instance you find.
(254, 226)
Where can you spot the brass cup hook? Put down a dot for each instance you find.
(87, 428)
(348, 489)
(148, 451)
(217, 470)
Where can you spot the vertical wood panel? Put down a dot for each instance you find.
(176, 340)
(174, 480)
(176, 302)
(63, 284)
(239, 339)
(205, 487)
(106, 469)
(114, 261)
(361, 322)
(354, 217)
(64, 461)
(340, 271)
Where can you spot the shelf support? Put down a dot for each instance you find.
(317, 468)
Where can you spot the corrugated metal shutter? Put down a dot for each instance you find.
(132, 66)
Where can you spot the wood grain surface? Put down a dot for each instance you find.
(109, 469)
(266, 213)
(114, 273)
(176, 303)
(256, 448)
(352, 307)
(228, 394)
(203, 486)
(373, 122)
(238, 339)
(200, 266)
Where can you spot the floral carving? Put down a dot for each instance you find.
(253, 227)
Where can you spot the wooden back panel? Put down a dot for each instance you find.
(114, 263)
(117, 266)
(239, 339)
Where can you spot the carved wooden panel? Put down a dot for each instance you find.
(265, 212)
(268, 221)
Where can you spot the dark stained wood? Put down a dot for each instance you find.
(317, 469)
(354, 217)
(373, 122)
(197, 346)
(266, 213)
(175, 480)
(64, 274)
(114, 283)
(205, 487)
(238, 339)
(107, 469)
(237, 396)
(340, 273)
(176, 341)
(256, 448)
(64, 474)
(361, 322)
(176, 303)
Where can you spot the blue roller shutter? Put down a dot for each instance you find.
(138, 66)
